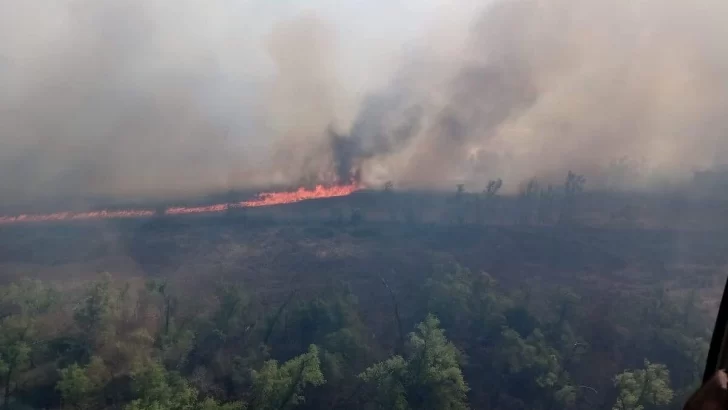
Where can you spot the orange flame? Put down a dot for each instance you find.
(74, 216)
(196, 210)
(302, 194)
(262, 199)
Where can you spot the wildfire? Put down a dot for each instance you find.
(302, 194)
(64, 216)
(262, 199)
(196, 210)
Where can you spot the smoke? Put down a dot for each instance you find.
(106, 98)
(155, 98)
(543, 86)
(158, 97)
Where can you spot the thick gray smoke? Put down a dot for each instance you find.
(543, 86)
(161, 97)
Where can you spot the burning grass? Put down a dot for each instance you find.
(262, 199)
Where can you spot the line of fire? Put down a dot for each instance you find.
(262, 199)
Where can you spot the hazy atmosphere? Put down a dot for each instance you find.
(363, 205)
(158, 97)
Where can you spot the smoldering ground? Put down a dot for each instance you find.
(158, 98)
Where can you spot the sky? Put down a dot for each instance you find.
(157, 98)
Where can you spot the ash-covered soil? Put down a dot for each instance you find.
(362, 239)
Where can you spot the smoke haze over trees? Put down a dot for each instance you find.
(153, 98)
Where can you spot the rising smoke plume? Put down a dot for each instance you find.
(160, 97)
(542, 86)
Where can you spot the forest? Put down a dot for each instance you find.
(344, 205)
(473, 345)
(378, 309)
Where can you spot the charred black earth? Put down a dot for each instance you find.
(615, 242)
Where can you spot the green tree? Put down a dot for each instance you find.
(429, 378)
(436, 365)
(218, 340)
(74, 386)
(330, 321)
(280, 387)
(94, 314)
(174, 342)
(80, 386)
(536, 365)
(168, 302)
(212, 404)
(640, 387)
(466, 302)
(158, 389)
(390, 382)
(22, 305)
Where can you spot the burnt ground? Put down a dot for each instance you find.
(671, 242)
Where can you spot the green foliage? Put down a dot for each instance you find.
(80, 386)
(28, 298)
(534, 355)
(97, 372)
(512, 348)
(648, 386)
(74, 385)
(94, 314)
(678, 344)
(22, 305)
(436, 363)
(222, 344)
(146, 349)
(168, 302)
(389, 379)
(332, 323)
(281, 386)
(566, 395)
(176, 346)
(230, 321)
(430, 377)
(212, 404)
(450, 294)
(467, 302)
(315, 320)
(158, 389)
(15, 357)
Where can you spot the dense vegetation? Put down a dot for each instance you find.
(466, 342)
(580, 318)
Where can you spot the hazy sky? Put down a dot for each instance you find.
(163, 97)
(154, 96)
